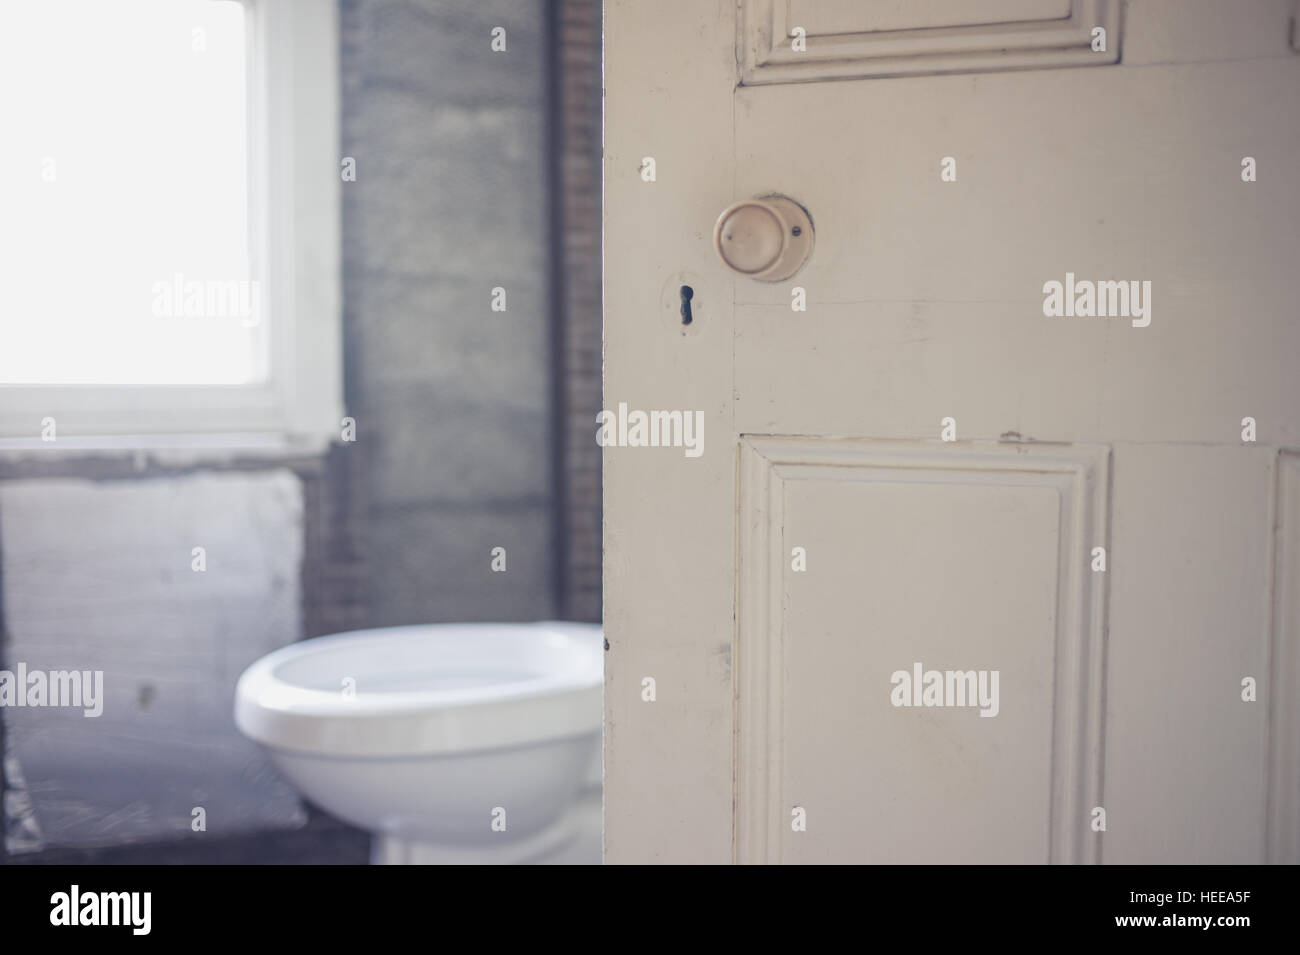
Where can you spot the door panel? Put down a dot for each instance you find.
(829, 17)
(1184, 31)
(1189, 606)
(916, 555)
(1282, 833)
(846, 40)
(925, 298)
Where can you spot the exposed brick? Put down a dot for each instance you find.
(578, 40)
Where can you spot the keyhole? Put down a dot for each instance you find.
(687, 294)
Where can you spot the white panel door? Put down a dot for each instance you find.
(925, 558)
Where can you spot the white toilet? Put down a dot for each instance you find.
(451, 743)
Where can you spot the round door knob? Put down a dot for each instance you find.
(767, 239)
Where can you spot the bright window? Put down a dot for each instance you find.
(168, 218)
(129, 187)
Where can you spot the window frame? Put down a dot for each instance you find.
(294, 193)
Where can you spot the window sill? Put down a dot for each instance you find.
(168, 449)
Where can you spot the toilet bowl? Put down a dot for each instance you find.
(450, 742)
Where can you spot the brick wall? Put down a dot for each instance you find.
(577, 118)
